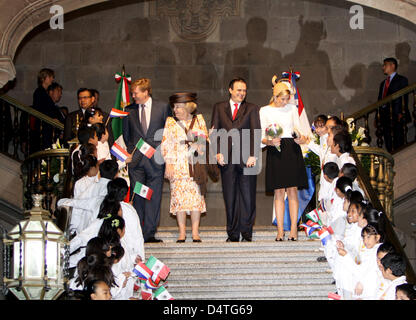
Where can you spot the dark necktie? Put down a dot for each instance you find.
(386, 86)
(143, 119)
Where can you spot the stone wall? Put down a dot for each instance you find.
(202, 48)
(340, 67)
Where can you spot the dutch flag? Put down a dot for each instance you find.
(115, 113)
(142, 271)
(324, 236)
(119, 152)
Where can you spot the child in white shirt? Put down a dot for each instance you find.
(103, 149)
(337, 218)
(365, 273)
(342, 146)
(394, 271)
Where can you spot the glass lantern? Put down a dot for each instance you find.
(34, 256)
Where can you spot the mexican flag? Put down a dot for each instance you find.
(159, 269)
(122, 100)
(145, 148)
(143, 191)
(146, 293)
(163, 294)
(314, 215)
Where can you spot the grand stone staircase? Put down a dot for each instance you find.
(262, 269)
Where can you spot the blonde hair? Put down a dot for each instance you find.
(279, 89)
(143, 84)
(190, 107)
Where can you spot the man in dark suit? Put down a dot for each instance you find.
(146, 117)
(239, 188)
(85, 100)
(393, 83)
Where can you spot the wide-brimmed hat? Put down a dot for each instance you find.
(182, 97)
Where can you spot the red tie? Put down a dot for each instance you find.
(235, 110)
(386, 86)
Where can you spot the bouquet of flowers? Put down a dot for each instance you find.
(357, 135)
(199, 140)
(274, 131)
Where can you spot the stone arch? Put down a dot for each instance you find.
(19, 17)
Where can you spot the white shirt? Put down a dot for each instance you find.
(103, 151)
(147, 111)
(232, 105)
(286, 117)
(389, 292)
(343, 159)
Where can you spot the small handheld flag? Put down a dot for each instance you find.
(314, 215)
(324, 236)
(159, 269)
(334, 296)
(163, 294)
(142, 271)
(145, 148)
(119, 152)
(146, 293)
(118, 113)
(143, 190)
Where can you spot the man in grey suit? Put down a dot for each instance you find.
(146, 117)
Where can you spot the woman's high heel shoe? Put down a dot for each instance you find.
(180, 240)
(278, 239)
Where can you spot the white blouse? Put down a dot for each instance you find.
(286, 117)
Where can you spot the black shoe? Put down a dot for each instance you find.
(321, 259)
(196, 240)
(231, 240)
(153, 239)
(246, 240)
(280, 239)
(180, 240)
(292, 239)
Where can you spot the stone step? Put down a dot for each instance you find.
(221, 260)
(261, 267)
(261, 288)
(215, 245)
(284, 292)
(196, 283)
(252, 276)
(231, 252)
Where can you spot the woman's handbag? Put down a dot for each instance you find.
(200, 171)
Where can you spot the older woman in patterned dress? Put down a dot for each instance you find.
(186, 198)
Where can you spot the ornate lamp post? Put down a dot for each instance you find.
(35, 252)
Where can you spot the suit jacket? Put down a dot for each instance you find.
(397, 83)
(132, 130)
(247, 118)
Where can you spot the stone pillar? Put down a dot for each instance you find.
(7, 70)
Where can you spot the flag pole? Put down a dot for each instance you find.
(108, 119)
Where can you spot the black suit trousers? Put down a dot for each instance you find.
(239, 192)
(150, 174)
